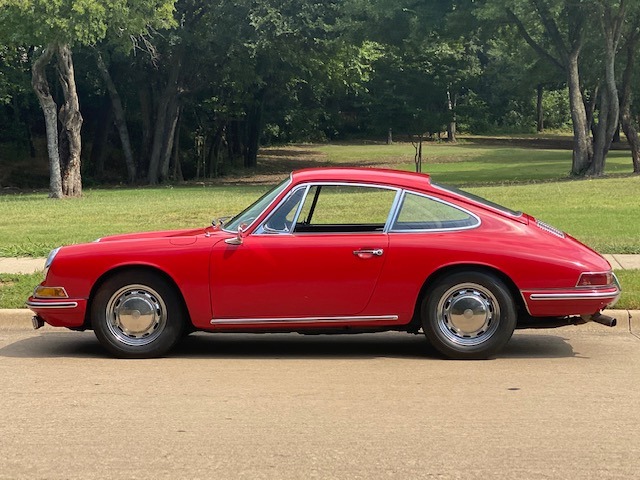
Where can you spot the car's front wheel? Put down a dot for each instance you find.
(468, 315)
(137, 314)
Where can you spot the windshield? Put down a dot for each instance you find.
(252, 212)
(477, 199)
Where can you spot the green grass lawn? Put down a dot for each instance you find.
(15, 289)
(470, 164)
(602, 213)
(31, 224)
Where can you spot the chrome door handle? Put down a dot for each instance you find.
(369, 251)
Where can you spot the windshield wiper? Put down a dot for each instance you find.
(220, 221)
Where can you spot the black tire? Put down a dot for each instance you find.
(137, 314)
(468, 315)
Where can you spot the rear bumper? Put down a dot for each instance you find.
(573, 301)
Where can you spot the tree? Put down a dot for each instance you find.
(628, 123)
(54, 28)
(558, 32)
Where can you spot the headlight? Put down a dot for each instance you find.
(47, 264)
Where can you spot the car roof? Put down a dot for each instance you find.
(384, 176)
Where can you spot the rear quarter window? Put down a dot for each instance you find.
(419, 212)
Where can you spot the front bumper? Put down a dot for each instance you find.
(68, 312)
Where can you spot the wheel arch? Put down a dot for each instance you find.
(466, 267)
(131, 268)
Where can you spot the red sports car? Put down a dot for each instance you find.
(333, 250)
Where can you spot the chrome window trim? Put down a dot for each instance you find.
(309, 185)
(434, 230)
(264, 210)
(242, 321)
(395, 208)
(261, 230)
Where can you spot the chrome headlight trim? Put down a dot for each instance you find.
(49, 261)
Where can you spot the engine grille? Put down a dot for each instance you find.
(548, 228)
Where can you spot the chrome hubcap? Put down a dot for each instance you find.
(468, 314)
(136, 315)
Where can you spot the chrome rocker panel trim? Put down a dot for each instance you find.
(243, 321)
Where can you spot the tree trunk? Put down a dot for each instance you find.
(120, 119)
(167, 146)
(177, 168)
(590, 107)
(540, 109)
(71, 123)
(609, 102)
(417, 145)
(200, 144)
(582, 146)
(235, 146)
(50, 111)
(254, 129)
(101, 136)
(569, 53)
(626, 99)
(216, 150)
(168, 95)
(452, 101)
(147, 136)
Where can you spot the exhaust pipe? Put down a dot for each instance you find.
(37, 322)
(605, 320)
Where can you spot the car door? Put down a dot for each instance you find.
(318, 254)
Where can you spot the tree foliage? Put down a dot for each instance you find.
(163, 90)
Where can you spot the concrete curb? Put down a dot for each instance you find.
(628, 319)
(15, 319)
(20, 318)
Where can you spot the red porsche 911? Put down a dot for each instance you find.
(335, 251)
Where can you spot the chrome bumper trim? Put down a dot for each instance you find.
(243, 321)
(574, 296)
(52, 304)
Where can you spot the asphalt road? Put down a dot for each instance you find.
(556, 404)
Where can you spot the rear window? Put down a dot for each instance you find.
(477, 199)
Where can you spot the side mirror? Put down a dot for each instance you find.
(237, 240)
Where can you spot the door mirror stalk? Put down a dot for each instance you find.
(237, 240)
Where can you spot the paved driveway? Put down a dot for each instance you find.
(556, 404)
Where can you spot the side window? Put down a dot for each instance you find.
(345, 208)
(423, 213)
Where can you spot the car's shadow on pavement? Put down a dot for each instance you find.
(283, 346)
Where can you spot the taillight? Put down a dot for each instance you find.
(595, 279)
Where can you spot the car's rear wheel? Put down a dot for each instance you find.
(137, 314)
(468, 315)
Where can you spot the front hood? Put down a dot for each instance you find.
(159, 234)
